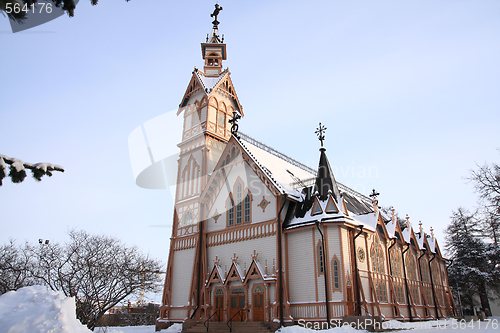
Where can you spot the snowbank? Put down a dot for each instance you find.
(36, 309)
(175, 328)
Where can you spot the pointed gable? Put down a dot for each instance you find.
(331, 206)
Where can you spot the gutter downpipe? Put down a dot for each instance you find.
(199, 263)
(406, 281)
(432, 284)
(325, 273)
(358, 282)
(280, 263)
(421, 275)
(394, 240)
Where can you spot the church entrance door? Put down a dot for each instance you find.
(258, 303)
(350, 302)
(237, 303)
(219, 304)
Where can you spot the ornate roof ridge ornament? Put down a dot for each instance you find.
(320, 132)
(234, 124)
(374, 196)
(215, 14)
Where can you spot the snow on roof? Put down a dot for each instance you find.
(368, 221)
(420, 240)
(209, 83)
(261, 271)
(407, 234)
(221, 273)
(276, 169)
(432, 243)
(391, 228)
(240, 272)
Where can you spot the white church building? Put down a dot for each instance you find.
(258, 236)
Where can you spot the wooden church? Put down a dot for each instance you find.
(258, 236)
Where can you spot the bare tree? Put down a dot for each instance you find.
(486, 181)
(14, 267)
(99, 271)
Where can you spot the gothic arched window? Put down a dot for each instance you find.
(336, 273)
(246, 213)
(230, 212)
(239, 194)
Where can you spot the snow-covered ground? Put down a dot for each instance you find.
(38, 310)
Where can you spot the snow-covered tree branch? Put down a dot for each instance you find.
(17, 169)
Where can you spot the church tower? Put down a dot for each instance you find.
(209, 102)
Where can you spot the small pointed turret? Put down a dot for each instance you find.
(325, 180)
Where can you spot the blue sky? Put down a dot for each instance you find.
(408, 90)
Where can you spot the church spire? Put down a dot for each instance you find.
(325, 180)
(213, 50)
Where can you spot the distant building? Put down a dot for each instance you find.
(258, 234)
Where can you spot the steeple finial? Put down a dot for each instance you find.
(393, 213)
(432, 233)
(421, 229)
(234, 124)
(325, 180)
(320, 132)
(407, 221)
(374, 195)
(214, 14)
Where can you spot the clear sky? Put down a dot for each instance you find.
(409, 91)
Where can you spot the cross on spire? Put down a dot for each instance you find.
(234, 124)
(320, 132)
(214, 14)
(374, 194)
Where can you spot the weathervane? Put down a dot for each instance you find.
(234, 125)
(320, 132)
(214, 14)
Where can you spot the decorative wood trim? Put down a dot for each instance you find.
(184, 243)
(241, 233)
(263, 203)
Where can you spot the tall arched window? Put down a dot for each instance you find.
(321, 267)
(246, 217)
(377, 256)
(239, 194)
(336, 273)
(230, 212)
(221, 119)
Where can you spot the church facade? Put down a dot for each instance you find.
(258, 236)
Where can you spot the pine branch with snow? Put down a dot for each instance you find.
(17, 169)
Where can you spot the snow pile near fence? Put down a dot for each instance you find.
(175, 328)
(36, 309)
